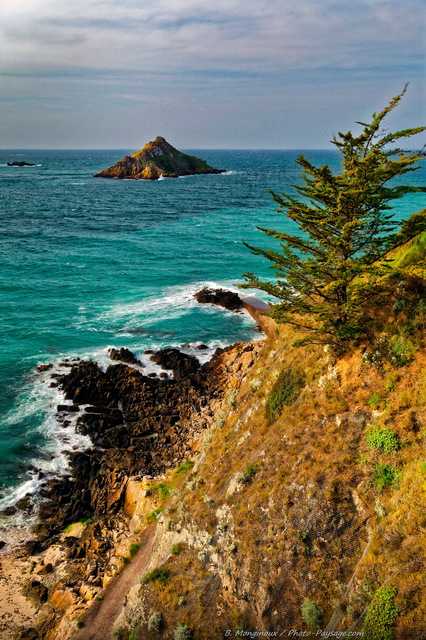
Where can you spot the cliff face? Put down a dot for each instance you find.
(296, 504)
(157, 159)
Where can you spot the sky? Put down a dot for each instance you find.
(271, 74)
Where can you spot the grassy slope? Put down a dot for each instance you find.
(322, 511)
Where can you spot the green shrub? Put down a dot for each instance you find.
(153, 516)
(374, 400)
(162, 490)
(284, 392)
(385, 474)
(311, 614)
(381, 615)
(182, 632)
(383, 439)
(134, 548)
(231, 397)
(134, 634)
(175, 549)
(126, 560)
(80, 624)
(155, 622)
(203, 556)
(250, 471)
(159, 574)
(401, 352)
(184, 467)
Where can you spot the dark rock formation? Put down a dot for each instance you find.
(44, 367)
(137, 424)
(221, 297)
(124, 355)
(35, 591)
(20, 163)
(156, 159)
(183, 365)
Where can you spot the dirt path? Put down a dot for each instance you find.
(99, 620)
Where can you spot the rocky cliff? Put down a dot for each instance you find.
(157, 159)
(283, 493)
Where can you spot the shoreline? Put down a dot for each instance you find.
(196, 393)
(48, 374)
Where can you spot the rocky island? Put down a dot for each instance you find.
(20, 163)
(157, 159)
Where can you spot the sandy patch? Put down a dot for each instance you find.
(15, 609)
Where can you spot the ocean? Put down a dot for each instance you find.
(87, 264)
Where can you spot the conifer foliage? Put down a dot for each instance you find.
(332, 270)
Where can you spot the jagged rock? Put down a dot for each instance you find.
(44, 569)
(44, 367)
(62, 599)
(36, 592)
(24, 504)
(33, 547)
(26, 633)
(124, 355)
(183, 365)
(157, 159)
(69, 408)
(228, 299)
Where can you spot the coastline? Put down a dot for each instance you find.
(199, 396)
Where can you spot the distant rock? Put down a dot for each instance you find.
(20, 163)
(228, 299)
(157, 159)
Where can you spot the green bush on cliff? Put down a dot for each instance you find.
(285, 390)
(159, 574)
(383, 439)
(155, 621)
(381, 615)
(385, 474)
(182, 632)
(331, 271)
(311, 614)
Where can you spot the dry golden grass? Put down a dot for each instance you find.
(302, 522)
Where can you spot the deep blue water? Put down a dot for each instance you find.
(88, 263)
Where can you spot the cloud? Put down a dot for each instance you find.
(255, 65)
(229, 34)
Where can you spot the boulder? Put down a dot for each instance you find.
(228, 299)
(124, 355)
(35, 592)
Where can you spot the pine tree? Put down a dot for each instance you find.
(333, 269)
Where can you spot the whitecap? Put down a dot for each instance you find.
(38, 398)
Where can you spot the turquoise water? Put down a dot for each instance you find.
(89, 263)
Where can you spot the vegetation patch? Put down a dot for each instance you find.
(284, 392)
(385, 474)
(134, 549)
(159, 575)
(182, 632)
(311, 614)
(383, 439)
(162, 490)
(153, 516)
(155, 621)
(381, 615)
(184, 467)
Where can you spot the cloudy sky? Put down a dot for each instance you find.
(213, 74)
